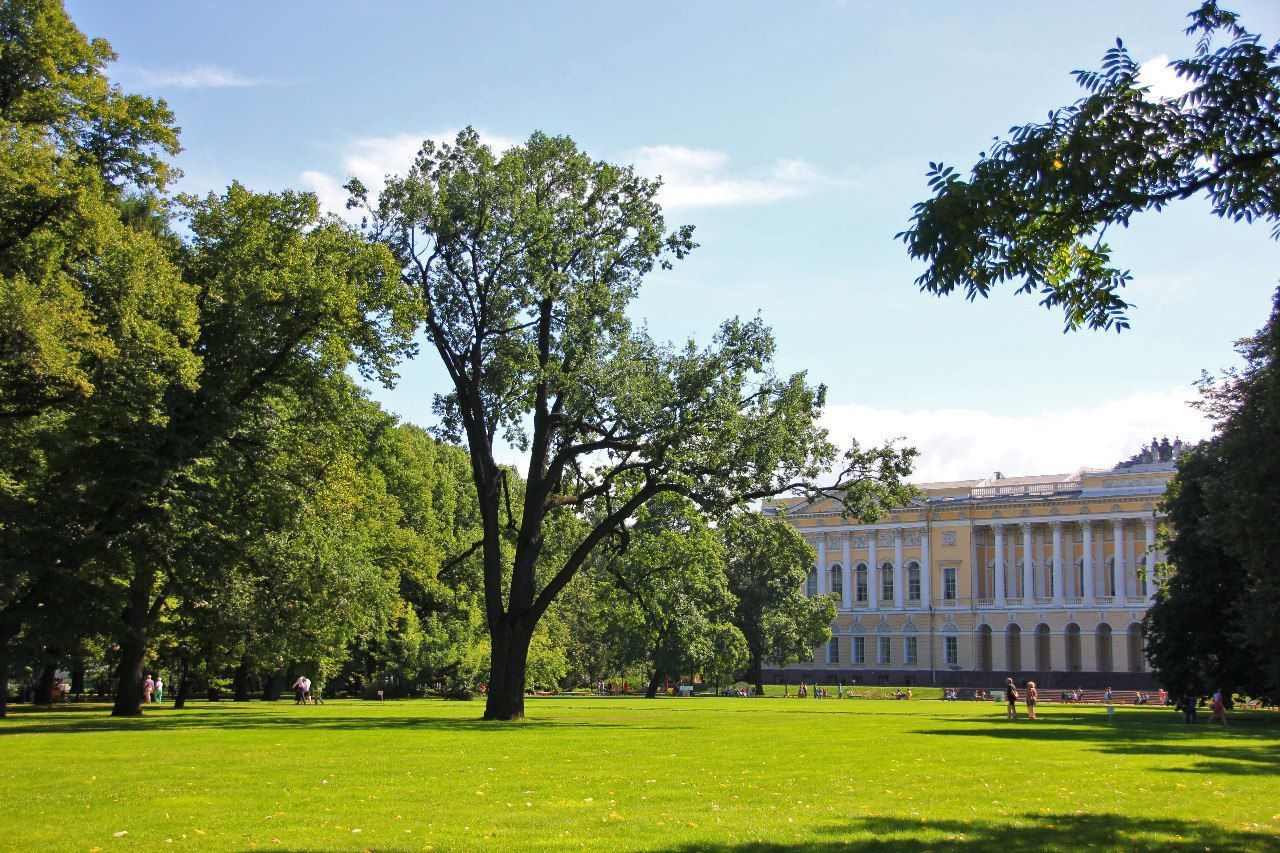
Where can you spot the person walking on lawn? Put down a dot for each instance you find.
(1010, 699)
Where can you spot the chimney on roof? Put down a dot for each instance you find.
(999, 476)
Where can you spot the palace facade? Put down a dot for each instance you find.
(1044, 578)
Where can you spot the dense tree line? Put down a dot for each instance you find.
(191, 478)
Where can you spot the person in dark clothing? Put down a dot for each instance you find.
(1011, 699)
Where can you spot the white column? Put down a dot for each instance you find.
(1151, 557)
(1059, 576)
(824, 579)
(898, 570)
(1028, 570)
(999, 570)
(1117, 567)
(846, 567)
(1087, 527)
(873, 571)
(926, 570)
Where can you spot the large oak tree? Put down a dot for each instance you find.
(526, 264)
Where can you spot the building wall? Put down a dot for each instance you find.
(1058, 636)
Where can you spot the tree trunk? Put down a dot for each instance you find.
(4, 685)
(129, 677)
(271, 687)
(133, 646)
(44, 688)
(654, 680)
(755, 672)
(77, 678)
(240, 681)
(508, 660)
(184, 686)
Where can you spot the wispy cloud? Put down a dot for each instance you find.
(373, 158)
(1161, 81)
(959, 444)
(196, 77)
(699, 177)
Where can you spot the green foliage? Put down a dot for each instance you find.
(526, 264)
(1035, 208)
(768, 564)
(1216, 620)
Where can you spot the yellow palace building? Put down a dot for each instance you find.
(1043, 577)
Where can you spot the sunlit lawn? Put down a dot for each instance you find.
(623, 774)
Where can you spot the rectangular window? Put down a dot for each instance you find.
(909, 650)
(833, 650)
(862, 583)
(949, 584)
(811, 585)
(913, 584)
(950, 651)
(859, 650)
(883, 646)
(886, 582)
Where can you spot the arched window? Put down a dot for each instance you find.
(1136, 662)
(913, 581)
(1074, 663)
(886, 582)
(1044, 660)
(1013, 647)
(811, 584)
(1105, 662)
(860, 582)
(984, 647)
(837, 579)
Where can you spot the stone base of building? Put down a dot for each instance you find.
(965, 679)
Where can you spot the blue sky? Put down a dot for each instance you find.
(795, 137)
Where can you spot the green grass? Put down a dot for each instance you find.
(630, 774)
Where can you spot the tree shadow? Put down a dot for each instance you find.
(246, 717)
(1248, 747)
(1028, 833)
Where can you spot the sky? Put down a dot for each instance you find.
(795, 137)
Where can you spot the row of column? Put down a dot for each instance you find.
(873, 570)
(1059, 586)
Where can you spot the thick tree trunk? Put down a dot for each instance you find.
(651, 691)
(755, 672)
(271, 686)
(184, 686)
(46, 684)
(128, 702)
(508, 661)
(77, 678)
(133, 646)
(4, 685)
(240, 681)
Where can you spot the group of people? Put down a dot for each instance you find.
(1189, 703)
(302, 692)
(1011, 699)
(153, 689)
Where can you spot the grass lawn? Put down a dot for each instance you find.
(630, 774)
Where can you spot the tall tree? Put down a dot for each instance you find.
(525, 265)
(1216, 620)
(768, 564)
(1036, 207)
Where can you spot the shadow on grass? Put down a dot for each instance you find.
(27, 720)
(1248, 747)
(1030, 832)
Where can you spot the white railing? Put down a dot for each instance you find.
(1016, 490)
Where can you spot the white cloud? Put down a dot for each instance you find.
(197, 77)
(959, 444)
(696, 177)
(372, 158)
(1161, 81)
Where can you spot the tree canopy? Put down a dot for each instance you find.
(1035, 209)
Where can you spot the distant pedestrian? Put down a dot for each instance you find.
(1111, 710)
(1219, 709)
(299, 692)
(1032, 695)
(1010, 699)
(148, 688)
(159, 687)
(1189, 706)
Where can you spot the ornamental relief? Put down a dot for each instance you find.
(861, 540)
(912, 539)
(948, 538)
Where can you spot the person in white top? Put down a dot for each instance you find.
(299, 691)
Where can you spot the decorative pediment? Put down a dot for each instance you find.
(884, 627)
(909, 627)
(949, 627)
